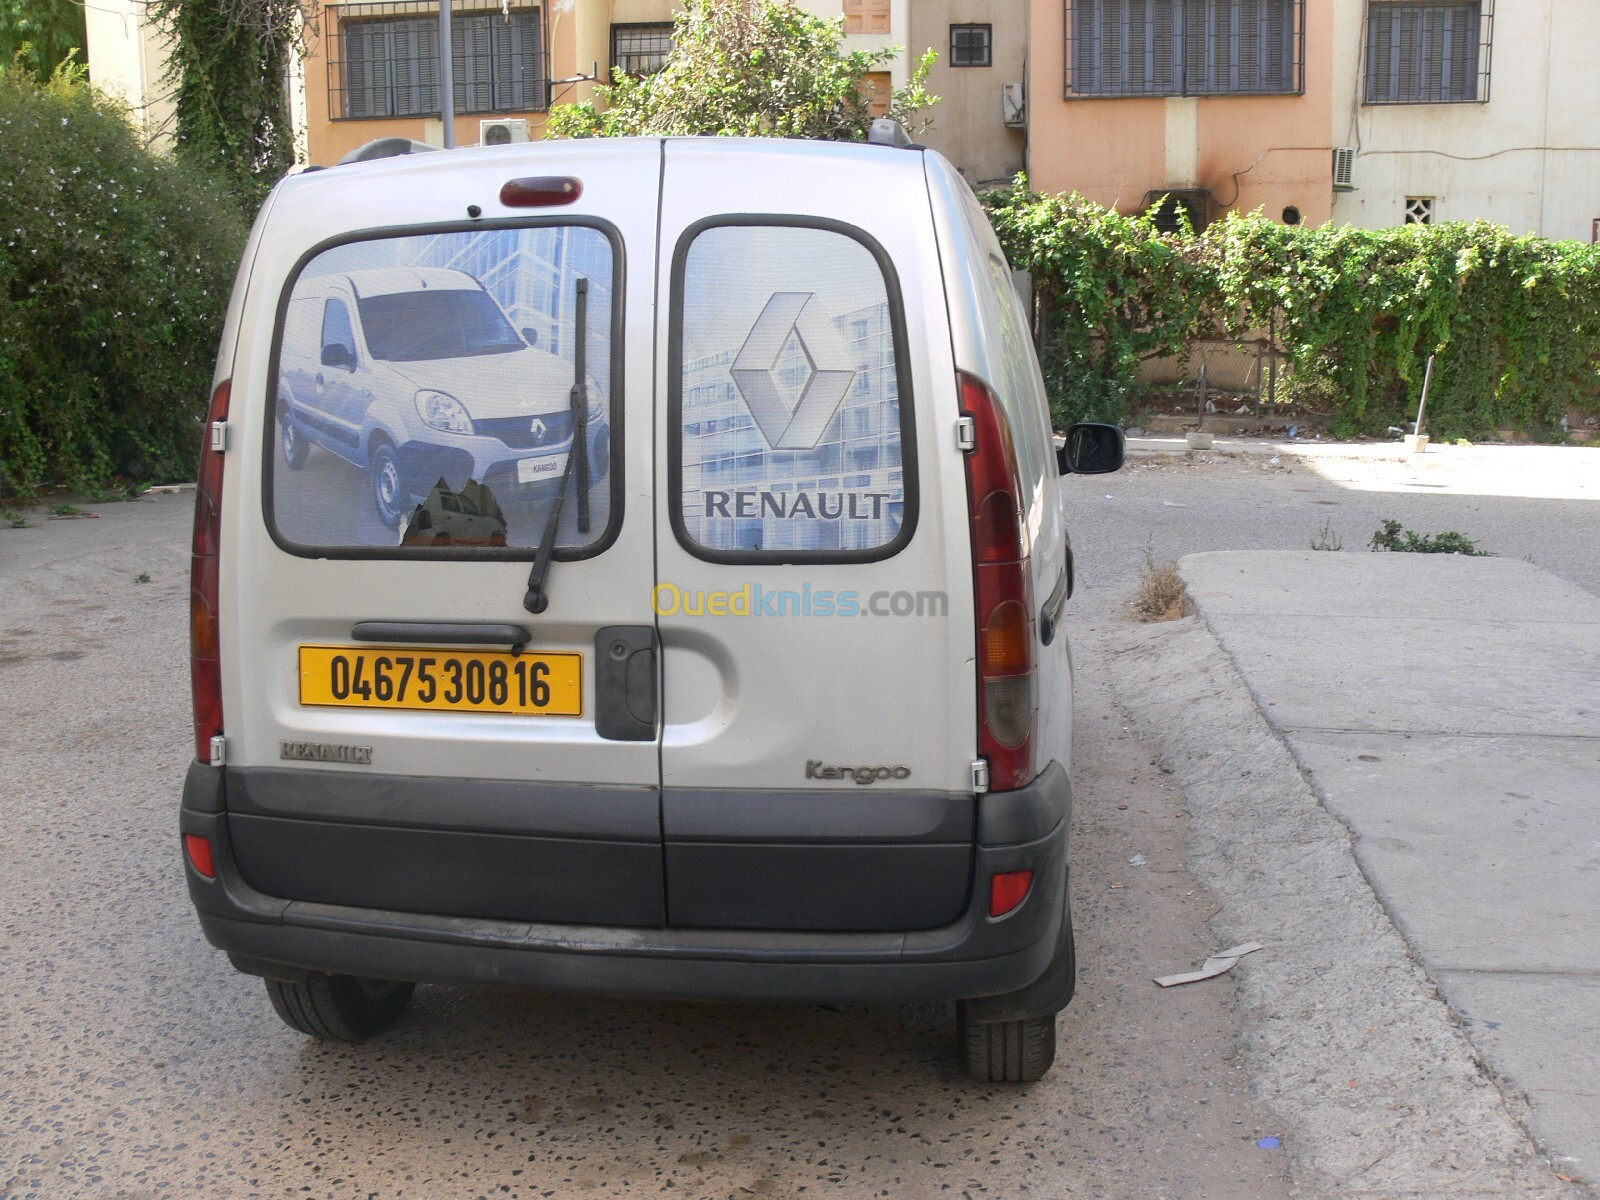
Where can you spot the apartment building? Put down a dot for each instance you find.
(1468, 109)
(1221, 104)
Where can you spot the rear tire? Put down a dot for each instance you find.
(339, 1008)
(1006, 1051)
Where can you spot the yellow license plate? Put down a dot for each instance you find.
(409, 677)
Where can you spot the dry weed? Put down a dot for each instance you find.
(1161, 596)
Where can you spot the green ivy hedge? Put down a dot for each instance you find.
(115, 268)
(1514, 321)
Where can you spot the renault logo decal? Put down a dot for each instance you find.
(755, 375)
(537, 429)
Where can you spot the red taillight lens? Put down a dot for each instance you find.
(1004, 593)
(1007, 890)
(200, 858)
(205, 668)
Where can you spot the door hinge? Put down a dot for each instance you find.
(219, 751)
(980, 775)
(966, 433)
(219, 437)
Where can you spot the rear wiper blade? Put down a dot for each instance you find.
(537, 598)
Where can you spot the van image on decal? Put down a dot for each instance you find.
(416, 374)
(501, 442)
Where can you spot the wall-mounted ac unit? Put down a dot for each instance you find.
(1170, 202)
(1013, 105)
(1344, 169)
(502, 131)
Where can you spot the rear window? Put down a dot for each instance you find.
(790, 423)
(425, 387)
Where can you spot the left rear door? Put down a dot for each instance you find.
(390, 744)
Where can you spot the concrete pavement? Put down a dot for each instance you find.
(1447, 710)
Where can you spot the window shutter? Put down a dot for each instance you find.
(367, 69)
(1163, 29)
(414, 45)
(1422, 53)
(474, 64)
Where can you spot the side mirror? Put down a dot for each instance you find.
(530, 335)
(337, 354)
(1091, 449)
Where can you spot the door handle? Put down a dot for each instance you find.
(451, 633)
(625, 683)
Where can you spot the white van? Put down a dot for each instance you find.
(746, 680)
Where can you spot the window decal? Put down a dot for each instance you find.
(788, 397)
(428, 399)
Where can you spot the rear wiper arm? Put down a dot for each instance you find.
(538, 595)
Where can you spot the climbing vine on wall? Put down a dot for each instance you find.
(228, 62)
(1514, 322)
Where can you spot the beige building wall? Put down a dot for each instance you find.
(127, 59)
(1527, 158)
(1271, 152)
(968, 125)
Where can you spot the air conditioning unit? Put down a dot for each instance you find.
(1013, 105)
(1344, 169)
(502, 132)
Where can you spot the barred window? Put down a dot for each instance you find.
(1427, 53)
(389, 65)
(971, 45)
(641, 49)
(1185, 47)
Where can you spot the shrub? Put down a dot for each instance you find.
(1109, 292)
(115, 267)
(1514, 322)
(1390, 536)
(747, 68)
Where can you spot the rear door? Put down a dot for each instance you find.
(814, 593)
(402, 732)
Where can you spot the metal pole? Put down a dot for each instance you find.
(447, 83)
(1427, 378)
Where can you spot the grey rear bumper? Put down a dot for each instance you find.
(970, 956)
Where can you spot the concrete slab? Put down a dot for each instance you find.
(1447, 709)
(1386, 586)
(1524, 1024)
(1484, 850)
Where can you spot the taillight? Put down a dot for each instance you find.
(1004, 593)
(1007, 890)
(202, 860)
(205, 667)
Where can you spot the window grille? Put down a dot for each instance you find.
(1428, 53)
(384, 59)
(1419, 210)
(641, 49)
(971, 45)
(1184, 47)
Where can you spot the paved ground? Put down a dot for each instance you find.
(139, 1065)
(1447, 709)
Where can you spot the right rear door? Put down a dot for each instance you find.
(813, 591)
